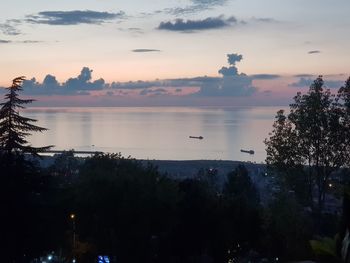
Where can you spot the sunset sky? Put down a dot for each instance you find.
(173, 52)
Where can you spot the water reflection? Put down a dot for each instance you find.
(158, 133)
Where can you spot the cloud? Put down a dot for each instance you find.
(306, 82)
(2, 41)
(314, 52)
(73, 17)
(80, 85)
(231, 59)
(267, 93)
(263, 20)
(30, 41)
(177, 11)
(195, 7)
(9, 29)
(142, 50)
(209, 2)
(154, 92)
(167, 83)
(197, 25)
(265, 76)
(304, 76)
(232, 83)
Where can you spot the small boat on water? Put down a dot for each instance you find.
(247, 151)
(197, 137)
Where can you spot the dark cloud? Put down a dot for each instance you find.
(72, 17)
(314, 52)
(306, 82)
(265, 76)
(232, 70)
(80, 85)
(197, 25)
(233, 58)
(2, 41)
(141, 50)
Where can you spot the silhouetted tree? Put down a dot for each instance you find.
(123, 207)
(344, 101)
(287, 230)
(312, 135)
(14, 128)
(242, 211)
(21, 179)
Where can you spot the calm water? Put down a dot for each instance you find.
(158, 133)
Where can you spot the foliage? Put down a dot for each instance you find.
(122, 206)
(240, 187)
(344, 103)
(65, 164)
(325, 249)
(22, 184)
(313, 134)
(287, 229)
(14, 128)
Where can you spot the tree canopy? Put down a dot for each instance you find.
(14, 128)
(313, 136)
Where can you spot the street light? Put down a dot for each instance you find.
(72, 217)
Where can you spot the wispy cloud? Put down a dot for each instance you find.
(209, 2)
(303, 76)
(265, 76)
(154, 92)
(314, 52)
(195, 7)
(8, 28)
(145, 50)
(3, 41)
(304, 82)
(264, 20)
(73, 17)
(198, 25)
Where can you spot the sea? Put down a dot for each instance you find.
(161, 133)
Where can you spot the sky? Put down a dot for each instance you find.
(173, 52)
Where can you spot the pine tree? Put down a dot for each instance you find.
(14, 128)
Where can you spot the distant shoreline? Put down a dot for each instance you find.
(184, 168)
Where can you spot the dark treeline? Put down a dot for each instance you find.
(131, 212)
(78, 209)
